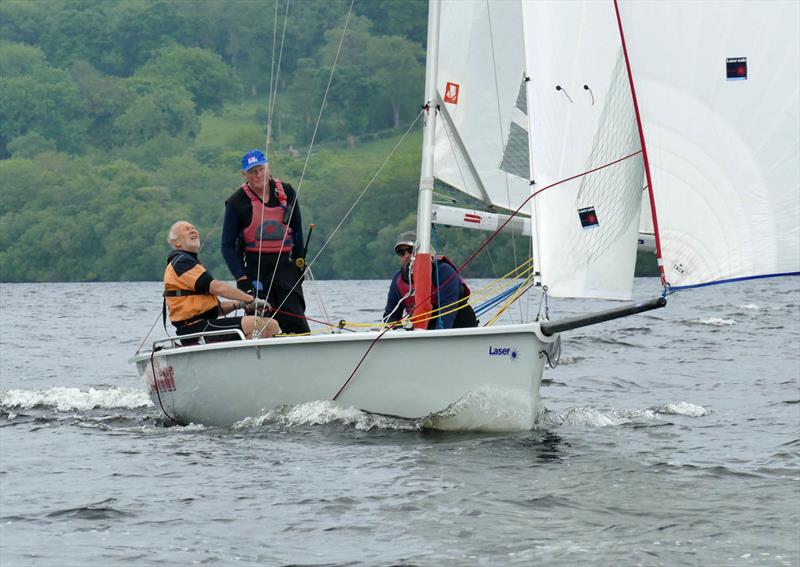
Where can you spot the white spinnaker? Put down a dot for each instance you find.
(481, 51)
(582, 118)
(723, 153)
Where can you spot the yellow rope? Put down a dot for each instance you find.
(524, 271)
(510, 300)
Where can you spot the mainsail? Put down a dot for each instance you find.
(482, 132)
(582, 119)
(719, 110)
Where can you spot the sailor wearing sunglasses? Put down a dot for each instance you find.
(451, 292)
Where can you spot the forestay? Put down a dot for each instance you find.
(719, 109)
(481, 143)
(582, 118)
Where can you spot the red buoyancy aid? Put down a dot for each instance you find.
(267, 232)
(408, 302)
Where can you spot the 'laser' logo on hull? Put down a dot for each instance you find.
(504, 352)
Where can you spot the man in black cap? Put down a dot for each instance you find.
(451, 288)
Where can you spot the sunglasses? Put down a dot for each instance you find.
(403, 251)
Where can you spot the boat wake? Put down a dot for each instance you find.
(72, 399)
(485, 410)
(324, 412)
(587, 416)
(714, 322)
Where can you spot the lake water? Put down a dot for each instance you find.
(671, 438)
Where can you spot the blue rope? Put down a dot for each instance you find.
(489, 303)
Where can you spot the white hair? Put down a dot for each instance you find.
(173, 235)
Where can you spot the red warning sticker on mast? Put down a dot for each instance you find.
(451, 92)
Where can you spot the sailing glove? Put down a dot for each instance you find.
(258, 305)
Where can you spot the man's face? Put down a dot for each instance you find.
(403, 252)
(187, 238)
(257, 176)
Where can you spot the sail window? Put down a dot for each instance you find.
(588, 217)
(736, 68)
(516, 159)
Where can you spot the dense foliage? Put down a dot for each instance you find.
(119, 117)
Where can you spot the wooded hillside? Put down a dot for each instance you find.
(119, 117)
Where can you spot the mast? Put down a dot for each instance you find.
(422, 261)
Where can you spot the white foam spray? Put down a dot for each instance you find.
(70, 399)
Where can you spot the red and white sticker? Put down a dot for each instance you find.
(451, 92)
(469, 217)
(164, 380)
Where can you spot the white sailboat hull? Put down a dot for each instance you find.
(405, 374)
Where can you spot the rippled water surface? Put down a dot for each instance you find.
(671, 438)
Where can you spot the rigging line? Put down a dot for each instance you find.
(645, 157)
(273, 94)
(385, 320)
(272, 74)
(517, 293)
(158, 392)
(358, 199)
(475, 296)
(158, 316)
(453, 151)
(531, 196)
(360, 362)
(274, 90)
(527, 314)
(212, 229)
(500, 123)
(311, 145)
(319, 299)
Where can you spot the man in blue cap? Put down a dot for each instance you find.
(262, 235)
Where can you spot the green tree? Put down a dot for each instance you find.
(19, 59)
(199, 71)
(159, 109)
(105, 97)
(397, 67)
(405, 18)
(45, 101)
(141, 27)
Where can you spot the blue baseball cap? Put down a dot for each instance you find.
(252, 159)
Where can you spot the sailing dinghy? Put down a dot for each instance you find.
(608, 104)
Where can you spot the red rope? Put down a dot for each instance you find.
(515, 213)
(360, 362)
(479, 250)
